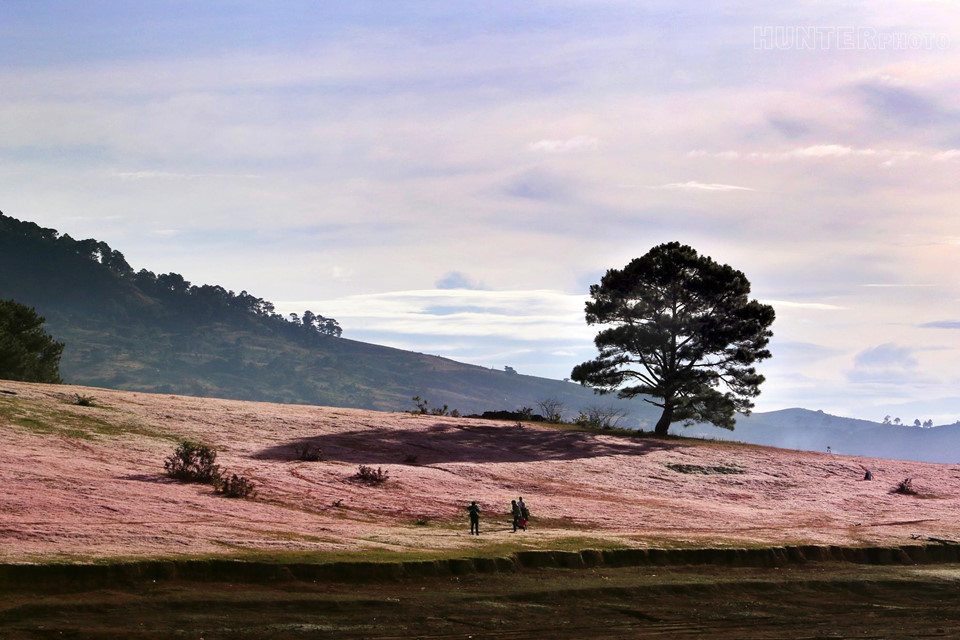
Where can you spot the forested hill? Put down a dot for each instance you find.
(137, 330)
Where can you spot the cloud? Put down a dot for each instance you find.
(537, 185)
(457, 280)
(701, 186)
(575, 143)
(941, 324)
(816, 306)
(788, 127)
(527, 315)
(885, 364)
(907, 285)
(886, 355)
(798, 351)
(831, 151)
(172, 175)
(903, 106)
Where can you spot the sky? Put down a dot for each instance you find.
(451, 177)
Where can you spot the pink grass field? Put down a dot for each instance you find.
(81, 483)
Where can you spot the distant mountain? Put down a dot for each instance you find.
(815, 431)
(140, 331)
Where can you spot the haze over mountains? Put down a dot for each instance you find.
(816, 431)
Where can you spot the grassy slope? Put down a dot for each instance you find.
(86, 482)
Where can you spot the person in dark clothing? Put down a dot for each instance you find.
(517, 515)
(474, 511)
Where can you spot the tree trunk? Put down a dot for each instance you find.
(663, 424)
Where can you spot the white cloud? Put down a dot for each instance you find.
(553, 145)
(535, 315)
(701, 186)
(172, 175)
(814, 306)
(879, 285)
(830, 152)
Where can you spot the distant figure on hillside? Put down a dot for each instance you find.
(868, 475)
(829, 450)
(474, 511)
(517, 515)
(524, 513)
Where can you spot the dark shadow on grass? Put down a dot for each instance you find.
(445, 442)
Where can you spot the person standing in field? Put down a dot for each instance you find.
(474, 511)
(517, 515)
(524, 513)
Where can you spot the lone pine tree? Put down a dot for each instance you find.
(681, 330)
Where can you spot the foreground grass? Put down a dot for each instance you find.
(828, 600)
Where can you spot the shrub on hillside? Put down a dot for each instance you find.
(193, 462)
(552, 409)
(234, 486)
(423, 408)
(905, 487)
(369, 475)
(600, 417)
(308, 452)
(84, 401)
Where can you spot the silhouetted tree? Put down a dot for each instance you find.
(683, 330)
(329, 327)
(27, 352)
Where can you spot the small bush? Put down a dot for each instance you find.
(552, 410)
(234, 486)
(193, 462)
(369, 475)
(597, 417)
(410, 459)
(422, 521)
(423, 408)
(84, 401)
(905, 487)
(308, 452)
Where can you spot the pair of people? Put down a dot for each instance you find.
(520, 514)
(518, 509)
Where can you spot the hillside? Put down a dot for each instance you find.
(158, 333)
(81, 482)
(816, 430)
